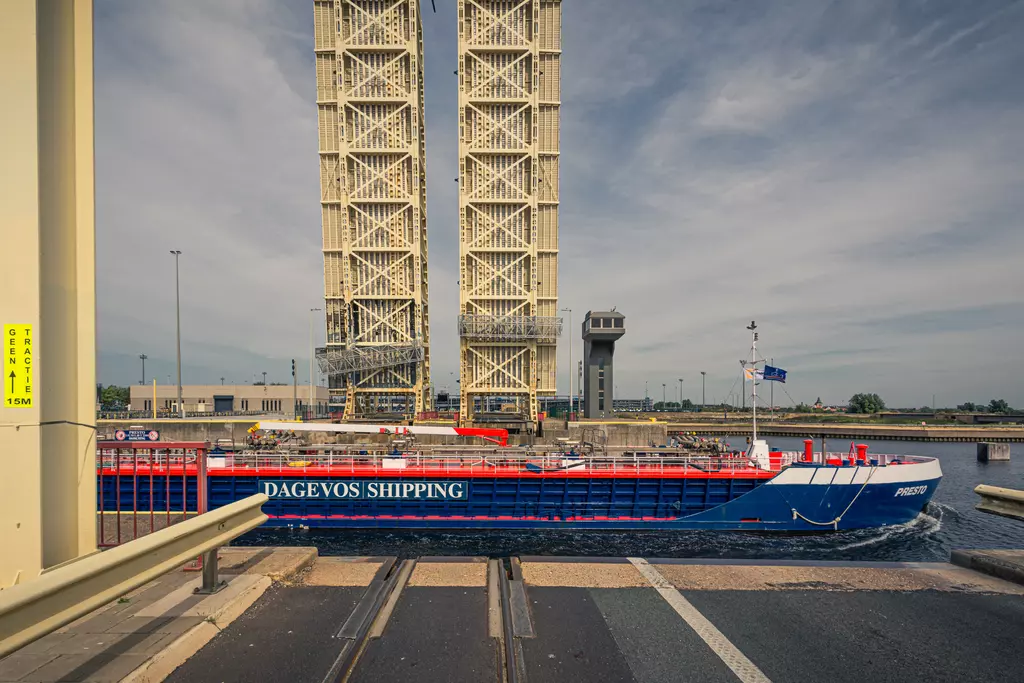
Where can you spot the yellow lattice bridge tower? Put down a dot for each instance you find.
(369, 73)
(509, 90)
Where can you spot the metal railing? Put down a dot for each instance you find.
(370, 461)
(845, 458)
(143, 487)
(365, 460)
(1004, 502)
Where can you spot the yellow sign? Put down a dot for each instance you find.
(17, 366)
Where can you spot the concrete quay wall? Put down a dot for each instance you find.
(611, 433)
(235, 430)
(182, 430)
(855, 431)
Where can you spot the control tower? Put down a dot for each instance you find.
(600, 331)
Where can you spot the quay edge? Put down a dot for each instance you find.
(615, 433)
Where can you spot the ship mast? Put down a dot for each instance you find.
(753, 375)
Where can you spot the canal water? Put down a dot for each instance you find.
(949, 522)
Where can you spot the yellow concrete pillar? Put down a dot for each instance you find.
(47, 281)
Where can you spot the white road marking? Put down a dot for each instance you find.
(738, 662)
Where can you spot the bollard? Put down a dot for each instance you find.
(808, 450)
(993, 452)
(862, 453)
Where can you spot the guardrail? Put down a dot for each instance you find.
(59, 596)
(1004, 502)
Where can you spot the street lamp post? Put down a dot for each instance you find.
(264, 378)
(663, 406)
(579, 387)
(177, 309)
(680, 394)
(703, 396)
(570, 361)
(312, 352)
(143, 357)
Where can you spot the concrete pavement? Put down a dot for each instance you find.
(146, 634)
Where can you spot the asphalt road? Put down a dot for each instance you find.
(287, 635)
(630, 633)
(434, 634)
(878, 636)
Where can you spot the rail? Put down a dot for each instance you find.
(467, 461)
(369, 460)
(1004, 502)
(32, 609)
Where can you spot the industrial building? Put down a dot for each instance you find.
(633, 405)
(228, 398)
(369, 75)
(509, 88)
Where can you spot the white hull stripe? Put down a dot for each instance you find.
(737, 662)
(890, 474)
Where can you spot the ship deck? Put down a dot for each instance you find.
(486, 462)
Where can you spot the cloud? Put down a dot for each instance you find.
(823, 168)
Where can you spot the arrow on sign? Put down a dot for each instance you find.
(12, 375)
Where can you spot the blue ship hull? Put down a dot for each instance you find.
(797, 499)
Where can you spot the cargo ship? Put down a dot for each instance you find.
(478, 481)
(496, 487)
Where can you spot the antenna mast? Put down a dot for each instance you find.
(753, 375)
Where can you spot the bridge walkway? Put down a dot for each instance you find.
(289, 615)
(585, 620)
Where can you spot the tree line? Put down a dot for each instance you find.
(873, 403)
(996, 405)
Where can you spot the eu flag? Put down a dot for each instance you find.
(774, 374)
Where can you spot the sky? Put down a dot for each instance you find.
(849, 174)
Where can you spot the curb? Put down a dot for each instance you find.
(979, 561)
(291, 576)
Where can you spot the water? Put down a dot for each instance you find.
(950, 521)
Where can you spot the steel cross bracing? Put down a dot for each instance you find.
(509, 327)
(509, 59)
(367, 358)
(369, 65)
